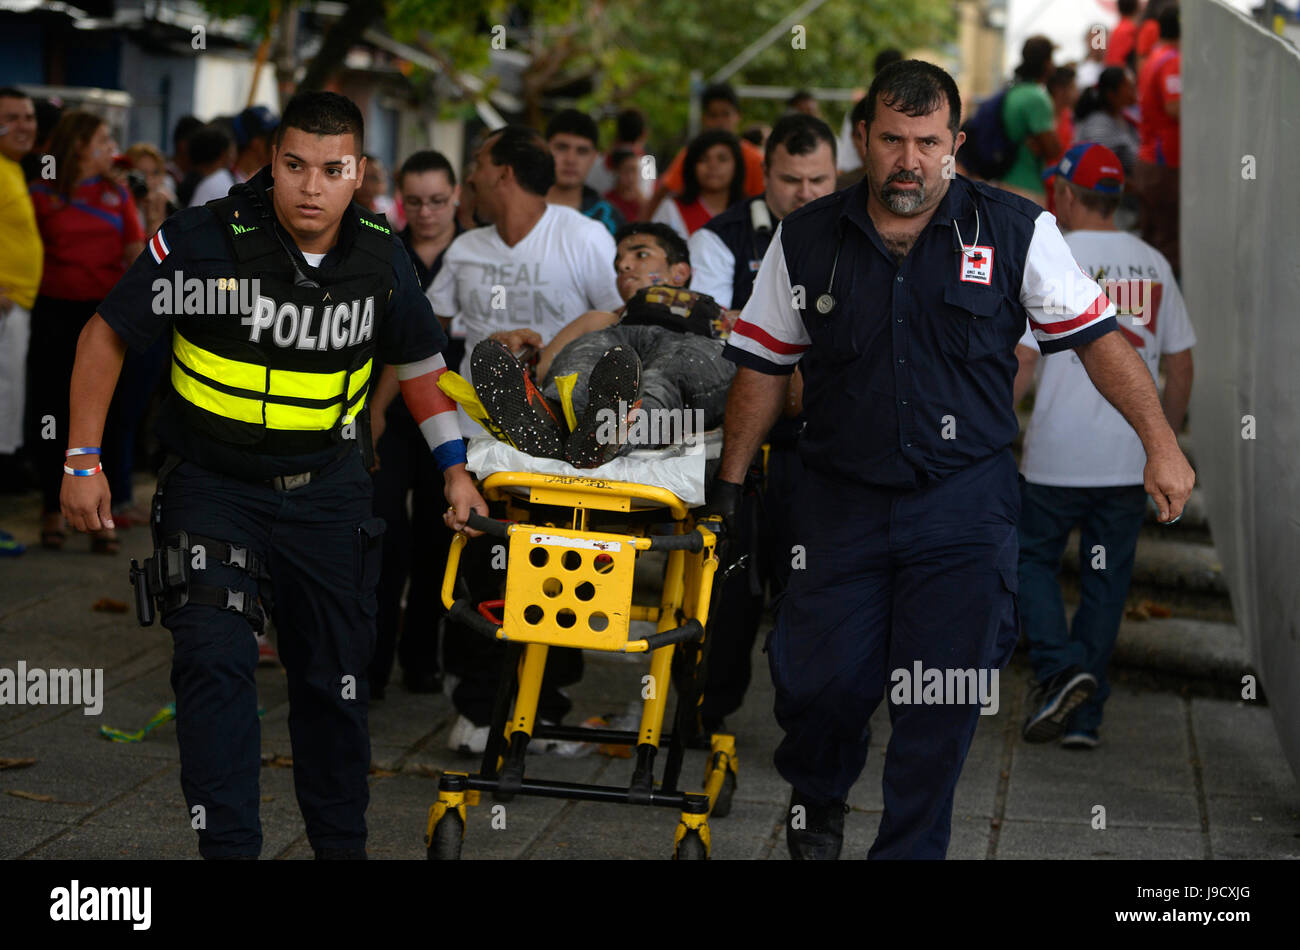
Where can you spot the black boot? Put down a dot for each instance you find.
(814, 832)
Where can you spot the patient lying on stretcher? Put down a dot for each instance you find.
(649, 374)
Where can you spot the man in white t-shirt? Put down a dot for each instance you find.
(1082, 463)
(535, 265)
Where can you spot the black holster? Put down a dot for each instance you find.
(164, 582)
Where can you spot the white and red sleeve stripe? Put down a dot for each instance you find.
(158, 247)
(770, 335)
(1066, 307)
(432, 409)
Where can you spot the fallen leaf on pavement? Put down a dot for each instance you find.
(1148, 610)
(381, 773)
(30, 796)
(16, 763)
(279, 762)
(108, 605)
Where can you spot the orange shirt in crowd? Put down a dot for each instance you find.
(1161, 82)
(673, 181)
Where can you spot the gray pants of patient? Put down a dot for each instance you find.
(678, 370)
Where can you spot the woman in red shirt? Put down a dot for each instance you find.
(91, 232)
(714, 176)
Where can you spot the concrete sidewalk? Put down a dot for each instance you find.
(1179, 775)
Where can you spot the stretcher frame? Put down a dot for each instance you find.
(557, 577)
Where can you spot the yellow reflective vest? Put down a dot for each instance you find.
(280, 360)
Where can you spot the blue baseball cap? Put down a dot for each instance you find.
(253, 122)
(1091, 166)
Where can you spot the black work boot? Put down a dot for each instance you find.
(514, 403)
(613, 388)
(814, 832)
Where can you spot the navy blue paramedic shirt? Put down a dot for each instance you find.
(909, 378)
(194, 243)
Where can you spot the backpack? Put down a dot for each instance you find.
(988, 151)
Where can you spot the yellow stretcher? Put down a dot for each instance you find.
(568, 585)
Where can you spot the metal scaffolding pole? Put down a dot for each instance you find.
(782, 28)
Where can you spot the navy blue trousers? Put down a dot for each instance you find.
(415, 547)
(892, 578)
(323, 547)
(764, 532)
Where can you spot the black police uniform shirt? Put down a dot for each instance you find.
(727, 251)
(397, 413)
(406, 330)
(424, 273)
(909, 377)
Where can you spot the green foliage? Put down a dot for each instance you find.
(257, 10)
(656, 44)
(641, 52)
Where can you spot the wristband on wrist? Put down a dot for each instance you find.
(68, 469)
(88, 451)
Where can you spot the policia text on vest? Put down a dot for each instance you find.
(264, 505)
(331, 327)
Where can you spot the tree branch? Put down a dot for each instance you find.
(342, 34)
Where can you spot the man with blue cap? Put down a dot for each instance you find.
(254, 128)
(1082, 463)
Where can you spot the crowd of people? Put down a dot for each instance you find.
(666, 290)
(1124, 94)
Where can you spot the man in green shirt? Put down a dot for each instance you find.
(1030, 120)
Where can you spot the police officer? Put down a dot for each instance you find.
(798, 167)
(278, 298)
(902, 299)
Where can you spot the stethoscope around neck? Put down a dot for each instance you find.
(826, 302)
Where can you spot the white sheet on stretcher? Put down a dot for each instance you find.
(679, 469)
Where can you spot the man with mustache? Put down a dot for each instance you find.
(901, 301)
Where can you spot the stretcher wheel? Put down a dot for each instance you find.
(722, 807)
(448, 836)
(691, 848)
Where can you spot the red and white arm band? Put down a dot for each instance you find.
(433, 410)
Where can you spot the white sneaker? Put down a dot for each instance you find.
(568, 749)
(467, 738)
(1080, 739)
(266, 655)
